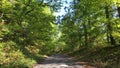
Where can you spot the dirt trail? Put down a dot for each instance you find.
(61, 61)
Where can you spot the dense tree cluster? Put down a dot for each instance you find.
(26, 29)
(93, 22)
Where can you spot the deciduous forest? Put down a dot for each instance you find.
(30, 31)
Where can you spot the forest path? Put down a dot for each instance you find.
(61, 61)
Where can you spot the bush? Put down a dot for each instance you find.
(12, 57)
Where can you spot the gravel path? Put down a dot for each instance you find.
(61, 61)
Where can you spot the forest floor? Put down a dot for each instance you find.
(62, 61)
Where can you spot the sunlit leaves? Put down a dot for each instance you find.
(46, 10)
(27, 23)
(6, 4)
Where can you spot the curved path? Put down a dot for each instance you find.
(61, 61)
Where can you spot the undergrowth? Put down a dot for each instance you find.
(14, 57)
(106, 57)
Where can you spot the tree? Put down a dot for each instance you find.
(95, 23)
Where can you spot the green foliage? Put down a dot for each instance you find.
(25, 32)
(11, 57)
(92, 25)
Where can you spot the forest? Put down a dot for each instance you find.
(89, 30)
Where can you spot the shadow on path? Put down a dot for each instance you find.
(61, 61)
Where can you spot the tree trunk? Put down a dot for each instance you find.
(118, 9)
(110, 38)
(85, 34)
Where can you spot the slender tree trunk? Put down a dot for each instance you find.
(110, 38)
(107, 16)
(118, 9)
(85, 34)
(117, 62)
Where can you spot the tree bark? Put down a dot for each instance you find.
(118, 9)
(110, 38)
(85, 34)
